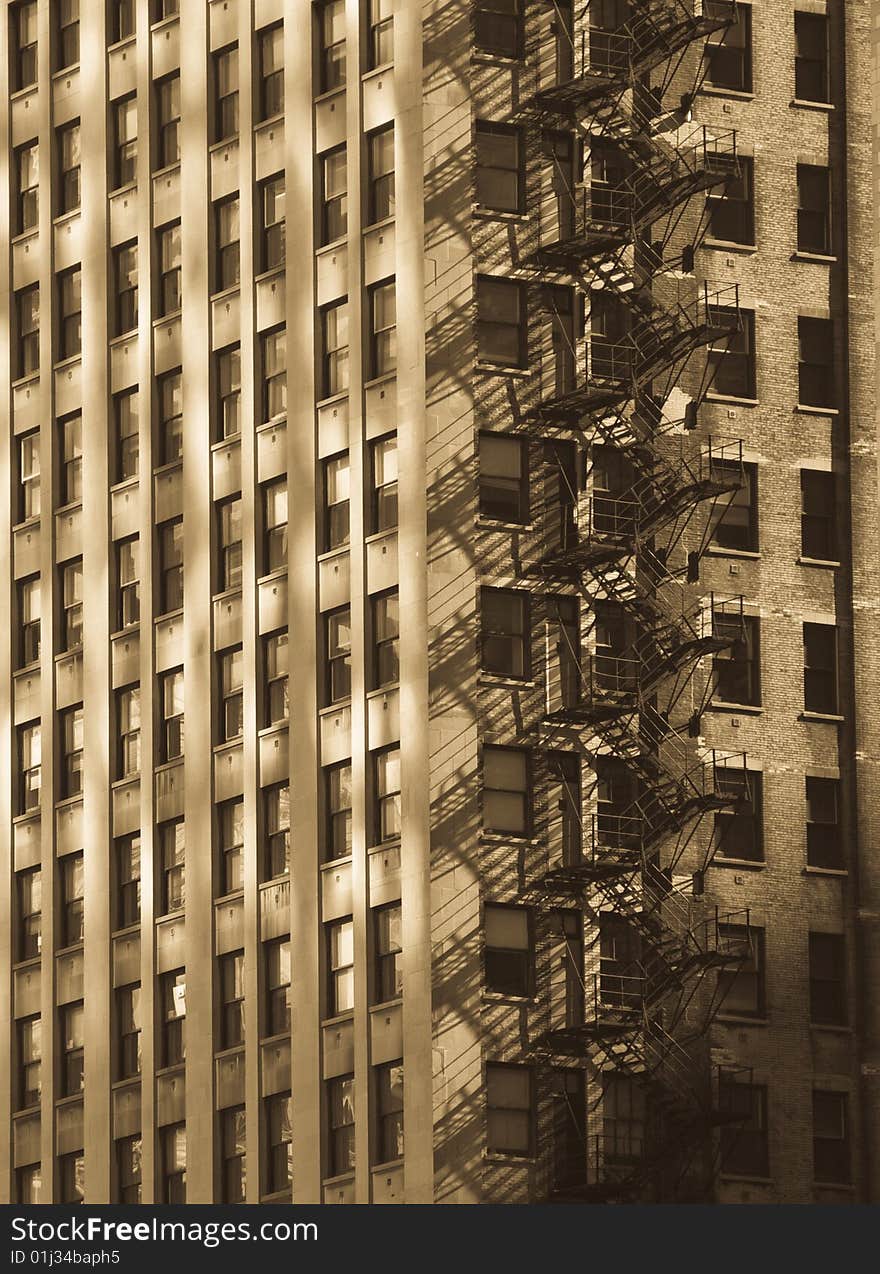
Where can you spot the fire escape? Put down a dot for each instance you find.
(626, 539)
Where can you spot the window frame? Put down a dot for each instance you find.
(128, 583)
(125, 271)
(722, 524)
(821, 670)
(334, 194)
(127, 1006)
(231, 694)
(171, 713)
(277, 701)
(227, 242)
(277, 832)
(167, 98)
(524, 1147)
(339, 938)
(125, 141)
(387, 809)
(388, 952)
(71, 598)
(68, 285)
(738, 52)
(276, 962)
(230, 847)
(380, 178)
(383, 495)
(128, 730)
(170, 565)
(382, 309)
(810, 69)
(27, 324)
(126, 440)
(230, 551)
(225, 73)
(332, 70)
(749, 978)
(169, 421)
(817, 338)
(171, 861)
(749, 787)
(337, 656)
(70, 738)
(270, 82)
(126, 881)
(522, 828)
(498, 29)
(385, 628)
(509, 971)
(509, 204)
(497, 327)
(335, 783)
(68, 142)
(519, 639)
(827, 1007)
(336, 475)
(172, 1023)
(27, 197)
(335, 336)
(231, 999)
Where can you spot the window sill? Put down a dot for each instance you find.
(168, 467)
(382, 846)
(271, 121)
(332, 863)
(25, 1111)
(331, 400)
(738, 709)
(384, 224)
(125, 484)
(66, 509)
(165, 22)
(29, 524)
(128, 188)
(329, 95)
(384, 379)
(485, 213)
(33, 232)
(716, 550)
(340, 1179)
(730, 245)
(128, 931)
(27, 669)
(173, 1068)
(832, 718)
(483, 57)
(71, 1099)
(129, 41)
(738, 94)
(167, 318)
(733, 399)
(341, 550)
(387, 1165)
(804, 105)
(226, 595)
(169, 615)
(69, 802)
(755, 1180)
(504, 681)
(326, 249)
(279, 573)
(29, 378)
(819, 258)
(809, 409)
(123, 781)
(116, 1085)
(825, 871)
(166, 170)
(21, 93)
(338, 1019)
(162, 767)
(373, 71)
(233, 1050)
(233, 896)
(749, 864)
(485, 523)
(273, 727)
(223, 143)
(508, 1156)
(27, 816)
(33, 963)
(72, 360)
(741, 1019)
(340, 706)
(122, 338)
(500, 997)
(378, 691)
(836, 1028)
(61, 655)
(64, 72)
(226, 294)
(376, 537)
(846, 1186)
(172, 917)
(492, 837)
(387, 1004)
(829, 563)
(69, 950)
(498, 369)
(131, 630)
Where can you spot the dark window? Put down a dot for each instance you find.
(226, 239)
(334, 345)
(29, 1047)
(29, 905)
(279, 1139)
(340, 967)
(819, 515)
(228, 388)
(731, 363)
(334, 195)
(71, 1177)
(386, 639)
(277, 692)
(229, 543)
(383, 329)
(273, 226)
(270, 77)
(170, 417)
(739, 831)
(509, 955)
(29, 476)
(125, 268)
(123, 20)
(510, 1109)
(498, 27)
(70, 467)
(816, 363)
(28, 1184)
(820, 669)
(737, 667)
(506, 797)
(277, 955)
(735, 520)
(233, 1141)
(162, 9)
(168, 121)
(231, 695)
(226, 93)
(168, 248)
(275, 524)
(729, 51)
(230, 822)
(732, 207)
(128, 1031)
(338, 795)
(336, 502)
(127, 880)
(331, 45)
(125, 428)
(68, 143)
(24, 42)
(128, 731)
(125, 142)
(172, 1164)
(71, 602)
(128, 1169)
(340, 1121)
(27, 321)
(71, 1027)
(380, 38)
(69, 312)
(337, 645)
(29, 625)
(172, 1009)
(383, 474)
(831, 1152)
(232, 999)
(27, 174)
(389, 952)
(499, 166)
(828, 1006)
(172, 866)
(380, 174)
(273, 357)
(505, 632)
(171, 707)
(389, 1111)
(744, 1145)
(276, 818)
(811, 57)
(741, 990)
(67, 46)
(387, 788)
(814, 209)
(128, 586)
(501, 333)
(170, 566)
(824, 841)
(71, 753)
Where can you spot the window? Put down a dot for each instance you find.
(226, 93)
(125, 146)
(128, 727)
(29, 902)
(24, 41)
(71, 1077)
(737, 667)
(828, 1006)
(29, 1031)
(29, 767)
(380, 174)
(29, 624)
(831, 1153)
(168, 244)
(729, 51)
(68, 142)
(170, 417)
(172, 1007)
(71, 1177)
(386, 639)
(735, 522)
(270, 78)
(389, 953)
(509, 953)
(69, 313)
(383, 329)
(228, 380)
(125, 266)
(739, 832)
(232, 999)
(506, 790)
(744, 1146)
(29, 475)
(334, 344)
(824, 841)
(27, 171)
(273, 349)
(71, 752)
(334, 195)
(231, 825)
(123, 20)
(229, 535)
(337, 630)
(171, 707)
(127, 879)
(340, 1118)
(276, 811)
(340, 967)
(387, 788)
(338, 792)
(383, 474)
(509, 1103)
(67, 48)
(27, 321)
(168, 121)
(820, 669)
(70, 475)
(811, 57)
(331, 45)
(171, 566)
(172, 866)
(172, 1163)
(816, 363)
(279, 1156)
(389, 1111)
(71, 599)
(226, 238)
(128, 1031)
(499, 167)
(336, 502)
(28, 1184)
(501, 332)
(128, 1169)
(498, 28)
(277, 956)
(126, 437)
(277, 694)
(275, 521)
(731, 207)
(273, 225)
(231, 707)
(731, 363)
(819, 515)
(381, 34)
(741, 989)
(128, 588)
(814, 209)
(505, 632)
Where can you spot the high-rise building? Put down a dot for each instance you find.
(441, 756)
